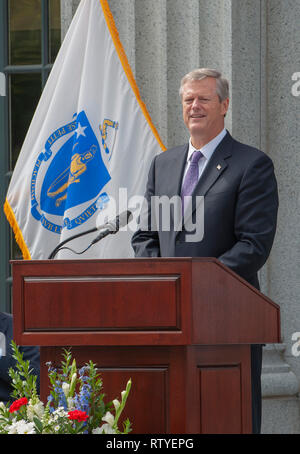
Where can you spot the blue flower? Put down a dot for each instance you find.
(83, 377)
(82, 400)
(62, 401)
(50, 399)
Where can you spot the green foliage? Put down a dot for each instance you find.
(22, 379)
(75, 403)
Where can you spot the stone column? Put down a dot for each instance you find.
(67, 11)
(283, 133)
(280, 386)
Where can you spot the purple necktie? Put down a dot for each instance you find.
(191, 177)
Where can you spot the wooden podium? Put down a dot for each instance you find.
(180, 328)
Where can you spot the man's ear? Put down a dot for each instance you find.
(225, 105)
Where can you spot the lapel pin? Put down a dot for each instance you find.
(219, 167)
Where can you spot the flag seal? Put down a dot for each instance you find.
(69, 173)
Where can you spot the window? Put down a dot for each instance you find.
(29, 42)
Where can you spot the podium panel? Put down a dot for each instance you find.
(174, 390)
(119, 303)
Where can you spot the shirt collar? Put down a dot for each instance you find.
(208, 148)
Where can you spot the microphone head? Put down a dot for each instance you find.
(120, 221)
(124, 218)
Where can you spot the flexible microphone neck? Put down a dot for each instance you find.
(60, 245)
(110, 227)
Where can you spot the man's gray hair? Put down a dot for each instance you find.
(201, 73)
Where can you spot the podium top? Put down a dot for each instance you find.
(138, 301)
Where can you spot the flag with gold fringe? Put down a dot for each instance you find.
(88, 149)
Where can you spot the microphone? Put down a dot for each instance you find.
(114, 226)
(110, 227)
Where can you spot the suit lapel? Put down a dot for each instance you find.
(215, 166)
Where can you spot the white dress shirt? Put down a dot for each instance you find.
(207, 152)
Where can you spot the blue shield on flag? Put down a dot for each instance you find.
(77, 173)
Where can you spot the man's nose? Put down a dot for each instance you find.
(196, 103)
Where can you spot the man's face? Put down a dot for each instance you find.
(203, 113)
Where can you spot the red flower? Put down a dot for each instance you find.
(15, 406)
(78, 415)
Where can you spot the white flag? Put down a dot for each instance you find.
(88, 149)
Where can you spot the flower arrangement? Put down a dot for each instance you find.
(75, 404)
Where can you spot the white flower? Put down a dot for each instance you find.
(36, 409)
(66, 389)
(104, 429)
(12, 429)
(60, 412)
(126, 391)
(26, 428)
(116, 404)
(109, 418)
(22, 427)
(57, 414)
(2, 406)
(74, 376)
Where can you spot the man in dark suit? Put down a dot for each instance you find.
(7, 361)
(239, 187)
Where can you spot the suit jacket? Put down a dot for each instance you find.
(7, 361)
(240, 208)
